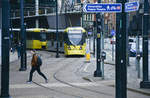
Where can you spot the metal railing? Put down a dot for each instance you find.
(29, 11)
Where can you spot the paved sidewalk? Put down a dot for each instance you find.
(133, 83)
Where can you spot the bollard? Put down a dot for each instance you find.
(88, 56)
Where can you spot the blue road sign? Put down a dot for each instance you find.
(102, 7)
(131, 6)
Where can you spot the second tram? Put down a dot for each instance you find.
(75, 41)
(36, 38)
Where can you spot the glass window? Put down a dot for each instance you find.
(75, 38)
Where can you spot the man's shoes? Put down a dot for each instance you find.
(46, 81)
(29, 82)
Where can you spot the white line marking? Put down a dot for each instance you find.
(85, 68)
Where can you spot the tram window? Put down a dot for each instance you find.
(51, 36)
(54, 36)
(48, 36)
(60, 36)
(29, 35)
(65, 37)
(52, 42)
(42, 36)
(61, 39)
(36, 35)
(61, 44)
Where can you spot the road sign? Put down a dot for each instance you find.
(102, 7)
(131, 6)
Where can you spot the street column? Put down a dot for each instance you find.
(146, 82)
(23, 66)
(98, 72)
(121, 52)
(5, 49)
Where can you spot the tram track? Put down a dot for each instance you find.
(54, 90)
(57, 72)
(75, 86)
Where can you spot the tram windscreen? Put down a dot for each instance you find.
(75, 36)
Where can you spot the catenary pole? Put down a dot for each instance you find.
(5, 49)
(145, 83)
(23, 66)
(98, 72)
(121, 53)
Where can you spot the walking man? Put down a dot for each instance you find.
(35, 67)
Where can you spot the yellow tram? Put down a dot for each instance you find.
(75, 41)
(36, 38)
(72, 41)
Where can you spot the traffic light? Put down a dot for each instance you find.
(99, 23)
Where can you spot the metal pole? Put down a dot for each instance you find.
(145, 83)
(98, 72)
(121, 53)
(57, 35)
(5, 49)
(102, 43)
(37, 12)
(137, 59)
(113, 49)
(23, 66)
(82, 16)
(94, 41)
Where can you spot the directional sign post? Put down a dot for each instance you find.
(131, 6)
(102, 7)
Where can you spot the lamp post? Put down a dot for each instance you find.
(121, 52)
(98, 72)
(23, 66)
(5, 49)
(145, 83)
